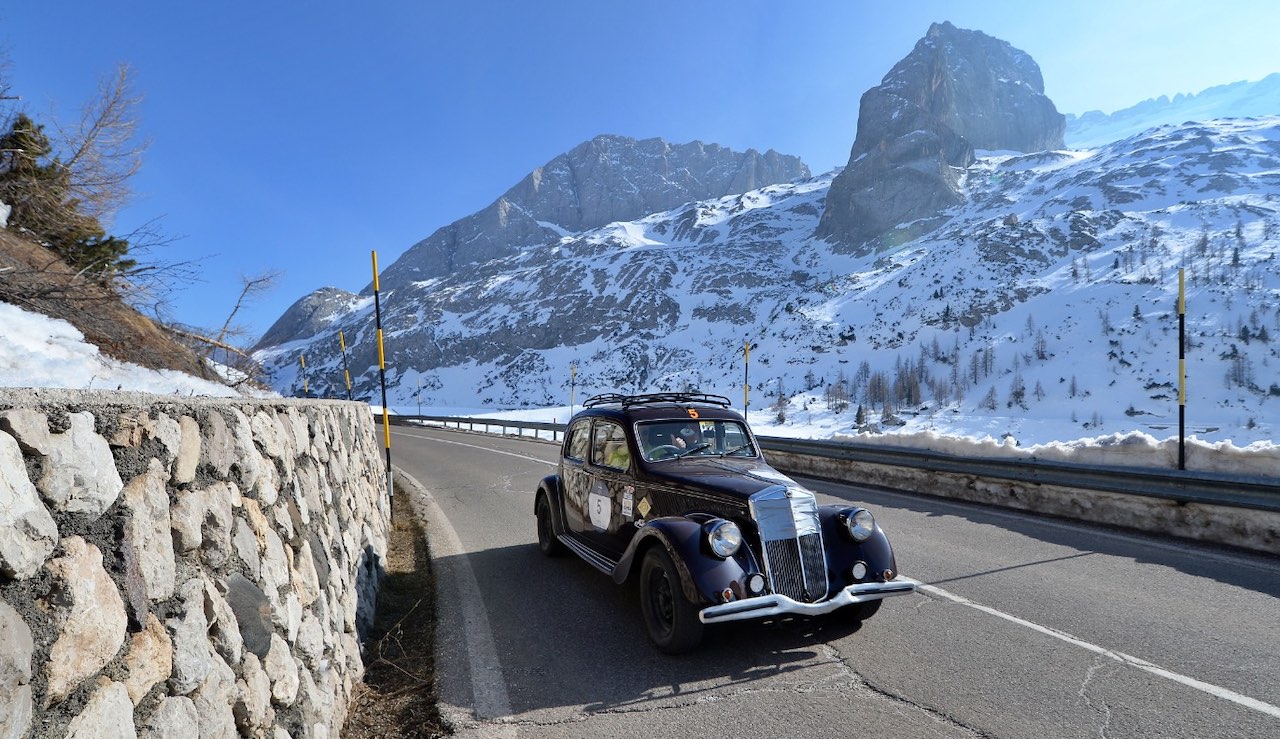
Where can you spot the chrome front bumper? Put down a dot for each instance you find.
(765, 606)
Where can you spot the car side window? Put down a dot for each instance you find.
(579, 440)
(609, 446)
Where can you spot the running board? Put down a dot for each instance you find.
(604, 564)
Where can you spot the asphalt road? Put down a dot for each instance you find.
(1023, 627)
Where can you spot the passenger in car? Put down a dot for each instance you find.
(616, 454)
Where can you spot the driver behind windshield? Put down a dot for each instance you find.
(665, 440)
(687, 437)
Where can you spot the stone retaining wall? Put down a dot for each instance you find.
(184, 567)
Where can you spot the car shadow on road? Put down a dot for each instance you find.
(568, 638)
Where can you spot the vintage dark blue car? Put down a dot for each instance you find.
(673, 488)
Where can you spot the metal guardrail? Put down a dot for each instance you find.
(484, 425)
(1236, 491)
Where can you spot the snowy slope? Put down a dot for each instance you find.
(43, 352)
(1042, 310)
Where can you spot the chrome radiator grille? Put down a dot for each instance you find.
(792, 539)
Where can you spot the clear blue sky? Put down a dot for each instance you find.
(298, 136)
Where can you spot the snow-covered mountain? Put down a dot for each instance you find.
(930, 285)
(606, 179)
(1236, 100)
(1043, 307)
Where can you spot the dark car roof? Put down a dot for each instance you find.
(736, 478)
(659, 406)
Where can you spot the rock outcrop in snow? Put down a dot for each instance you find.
(957, 91)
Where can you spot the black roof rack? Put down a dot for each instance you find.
(627, 401)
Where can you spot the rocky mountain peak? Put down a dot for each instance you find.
(957, 91)
(608, 178)
(308, 316)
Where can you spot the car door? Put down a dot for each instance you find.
(610, 468)
(575, 477)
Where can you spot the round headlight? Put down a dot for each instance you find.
(861, 524)
(724, 538)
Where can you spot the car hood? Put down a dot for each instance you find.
(739, 478)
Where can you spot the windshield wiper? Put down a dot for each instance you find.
(735, 450)
(692, 449)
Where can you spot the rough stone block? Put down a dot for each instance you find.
(252, 707)
(253, 613)
(214, 702)
(215, 544)
(174, 718)
(79, 473)
(150, 659)
(167, 431)
(28, 533)
(283, 672)
(245, 546)
(186, 516)
(224, 630)
(192, 656)
(16, 648)
(88, 614)
(149, 534)
(107, 715)
(188, 459)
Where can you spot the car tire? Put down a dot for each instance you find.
(547, 541)
(671, 620)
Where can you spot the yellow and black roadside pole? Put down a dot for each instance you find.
(746, 376)
(302, 360)
(1182, 370)
(382, 378)
(346, 371)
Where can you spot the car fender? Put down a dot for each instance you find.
(551, 489)
(702, 575)
(843, 551)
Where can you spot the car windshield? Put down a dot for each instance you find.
(661, 440)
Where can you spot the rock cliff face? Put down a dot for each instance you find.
(957, 91)
(606, 179)
(308, 316)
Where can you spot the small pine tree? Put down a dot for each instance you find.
(781, 402)
(40, 193)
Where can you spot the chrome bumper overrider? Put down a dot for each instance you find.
(779, 605)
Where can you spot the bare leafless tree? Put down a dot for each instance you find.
(251, 289)
(221, 345)
(101, 151)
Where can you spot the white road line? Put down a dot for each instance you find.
(488, 686)
(1121, 657)
(473, 446)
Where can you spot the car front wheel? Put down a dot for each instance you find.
(672, 621)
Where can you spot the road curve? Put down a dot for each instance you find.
(1023, 627)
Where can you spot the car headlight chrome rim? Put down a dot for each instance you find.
(861, 524)
(724, 538)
